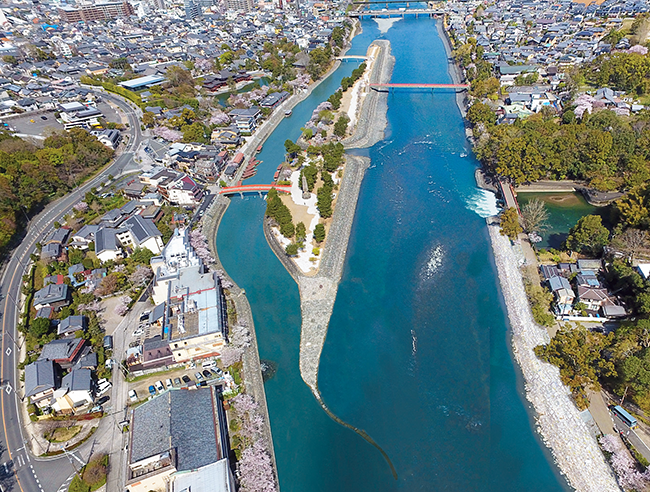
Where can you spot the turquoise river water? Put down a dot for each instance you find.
(418, 350)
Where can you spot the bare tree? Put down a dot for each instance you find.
(535, 216)
(633, 240)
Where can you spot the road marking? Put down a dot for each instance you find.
(19, 460)
(8, 351)
(8, 389)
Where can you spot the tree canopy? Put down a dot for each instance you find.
(588, 236)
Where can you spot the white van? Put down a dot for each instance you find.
(209, 364)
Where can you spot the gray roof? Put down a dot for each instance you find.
(177, 419)
(51, 293)
(141, 228)
(39, 376)
(60, 349)
(71, 324)
(51, 250)
(58, 235)
(78, 380)
(105, 240)
(157, 313)
(87, 231)
(557, 283)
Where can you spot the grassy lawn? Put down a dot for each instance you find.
(63, 434)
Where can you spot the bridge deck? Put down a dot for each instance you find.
(254, 188)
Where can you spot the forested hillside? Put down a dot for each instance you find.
(31, 176)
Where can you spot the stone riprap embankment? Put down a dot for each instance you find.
(558, 420)
(372, 116)
(318, 293)
(252, 370)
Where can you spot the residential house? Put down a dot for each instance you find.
(53, 295)
(594, 298)
(40, 382)
(64, 352)
(563, 293)
(72, 324)
(76, 392)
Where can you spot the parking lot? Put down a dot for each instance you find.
(34, 124)
(141, 386)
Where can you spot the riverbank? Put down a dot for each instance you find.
(252, 369)
(558, 419)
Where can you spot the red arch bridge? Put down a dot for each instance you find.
(388, 87)
(253, 188)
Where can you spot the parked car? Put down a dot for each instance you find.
(133, 396)
(198, 376)
(108, 342)
(208, 364)
(152, 390)
(177, 381)
(186, 379)
(169, 384)
(43, 117)
(96, 409)
(160, 387)
(144, 316)
(103, 400)
(207, 373)
(218, 371)
(138, 332)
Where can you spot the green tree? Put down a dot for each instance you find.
(481, 113)
(39, 327)
(588, 236)
(510, 223)
(341, 126)
(301, 231)
(579, 355)
(319, 233)
(292, 249)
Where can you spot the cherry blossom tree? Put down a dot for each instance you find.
(231, 355)
(300, 82)
(255, 471)
(95, 306)
(624, 466)
(80, 207)
(123, 306)
(240, 336)
(219, 118)
(141, 275)
(167, 133)
(637, 48)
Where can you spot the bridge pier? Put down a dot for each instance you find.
(241, 195)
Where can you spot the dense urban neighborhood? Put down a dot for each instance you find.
(131, 357)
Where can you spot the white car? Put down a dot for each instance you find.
(169, 384)
(159, 386)
(133, 396)
(138, 332)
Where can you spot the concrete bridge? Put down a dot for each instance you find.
(388, 87)
(360, 14)
(352, 57)
(255, 188)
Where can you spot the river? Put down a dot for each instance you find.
(418, 350)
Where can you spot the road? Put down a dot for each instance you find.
(632, 435)
(19, 470)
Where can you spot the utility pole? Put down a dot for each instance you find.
(624, 394)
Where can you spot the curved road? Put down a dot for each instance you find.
(19, 470)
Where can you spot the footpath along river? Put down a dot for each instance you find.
(418, 349)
